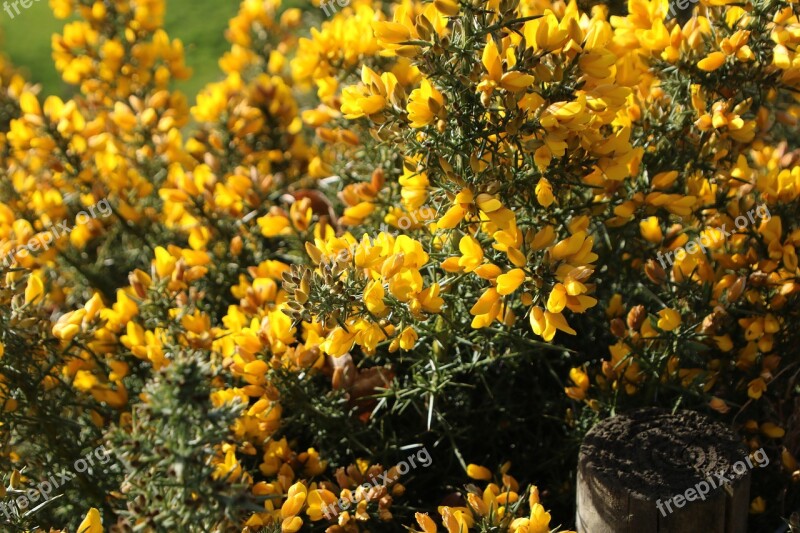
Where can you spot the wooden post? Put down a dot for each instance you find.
(631, 465)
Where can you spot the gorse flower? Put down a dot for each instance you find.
(382, 232)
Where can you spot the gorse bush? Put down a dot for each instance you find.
(467, 228)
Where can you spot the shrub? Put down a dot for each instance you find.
(378, 234)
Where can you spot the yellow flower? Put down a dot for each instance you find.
(295, 499)
(357, 102)
(581, 380)
(339, 342)
(513, 81)
(788, 460)
(318, 501)
(452, 217)
(488, 300)
(597, 63)
(408, 338)
(481, 473)
(61, 8)
(545, 323)
(425, 105)
(575, 249)
(557, 299)
(425, 522)
(542, 158)
(229, 468)
(540, 519)
(84, 381)
(414, 191)
(756, 388)
(391, 32)
(651, 230)
(375, 93)
(510, 281)
(772, 431)
(456, 520)
(373, 298)
(471, 253)
(711, 62)
(92, 523)
(164, 262)
(545, 33)
(544, 192)
(430, 300)
(669, 319)
(491, 62)
(516, 81)
(291, 524)
(273, 225)
(34, 291)
(448, 8)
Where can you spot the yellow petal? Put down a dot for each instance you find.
(538, 322)
(510, 281)
(772, 431)
(670, 319)
(34, 291)
(651, 230)
(488, 271)
(391, 32)
(448, 8)
(544, 191)
(425, 522)
(557, 299)
(558, 320)
(485, 302)
(372, 104)
(92, 522)
(291, 524)
(480, 473)
(491, 60)
(516, 81)
(711, 62)
(472, 253)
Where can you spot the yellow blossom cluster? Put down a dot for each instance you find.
(411, 222)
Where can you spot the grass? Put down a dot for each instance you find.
(200, 24)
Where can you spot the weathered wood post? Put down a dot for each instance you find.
(650, 471)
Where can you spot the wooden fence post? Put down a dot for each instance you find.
(643, 472)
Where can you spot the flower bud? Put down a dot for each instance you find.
(636, 317)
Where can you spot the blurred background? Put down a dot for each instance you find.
(200, 24)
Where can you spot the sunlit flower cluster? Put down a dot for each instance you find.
(394, 226)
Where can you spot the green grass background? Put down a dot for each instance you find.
(200, 24)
